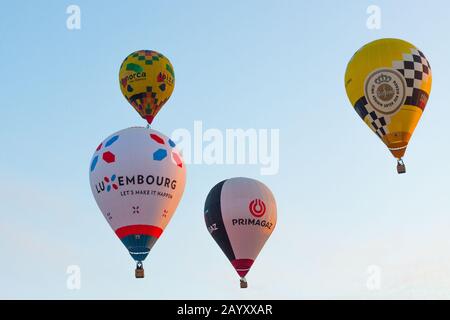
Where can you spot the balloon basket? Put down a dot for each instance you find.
(244, 283)
(139, 272)
(401, 168)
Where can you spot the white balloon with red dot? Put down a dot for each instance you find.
(137, 178)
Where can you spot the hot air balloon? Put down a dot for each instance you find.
(240, 214)
(146, 80)
(137, 178)
(388, 82)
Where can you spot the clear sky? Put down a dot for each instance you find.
(343, 212)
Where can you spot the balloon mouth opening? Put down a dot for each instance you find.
(398, 152)
(138, 253)
(242, 266)
(149, 119)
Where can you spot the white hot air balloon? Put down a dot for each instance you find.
(137, 178)
(240, 214)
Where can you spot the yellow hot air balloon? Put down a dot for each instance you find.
(147, 81)
(388, 82)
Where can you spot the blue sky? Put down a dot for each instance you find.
(241, 64)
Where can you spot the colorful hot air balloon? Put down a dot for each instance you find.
(147, 81)
(137, 178)
(240, 214)
(388, 82)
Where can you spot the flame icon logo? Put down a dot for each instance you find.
(257, 208)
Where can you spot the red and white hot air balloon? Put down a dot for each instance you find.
(137, 178)
(240, 214)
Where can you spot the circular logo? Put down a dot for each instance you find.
(257, 208)
(385, 90)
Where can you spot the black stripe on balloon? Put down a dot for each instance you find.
(214, 221)
(360, 107)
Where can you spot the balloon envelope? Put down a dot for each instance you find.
(137, 178)
(240, 214)
(147, 81)
(388, 82)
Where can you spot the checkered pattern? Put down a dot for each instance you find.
(416, 69)
(145, 100)
(147, 56)
(378, 124)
